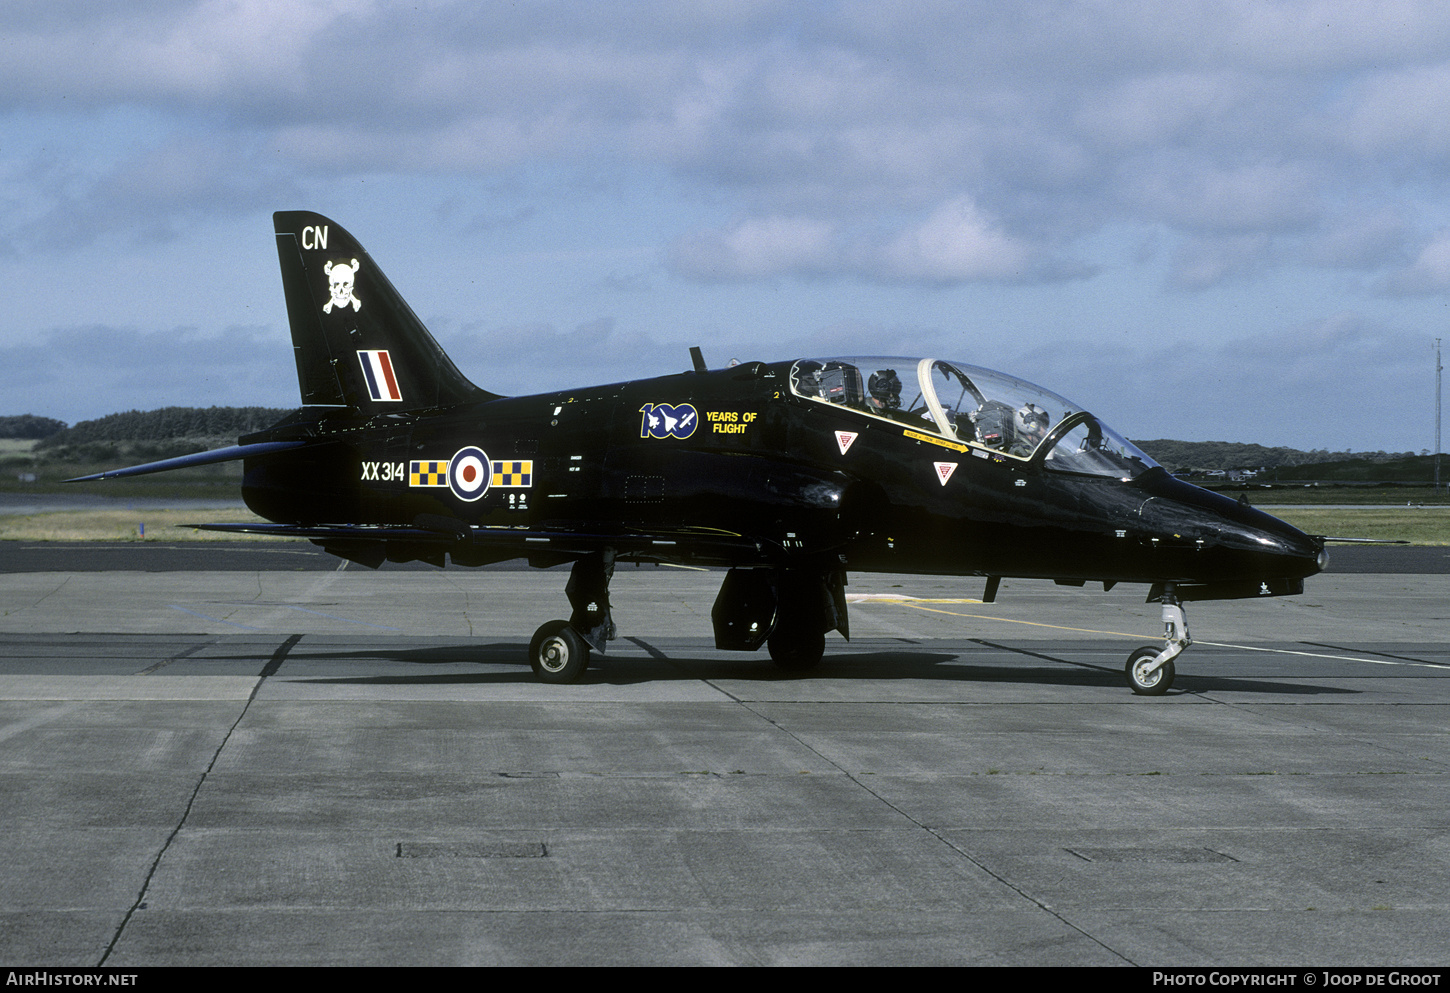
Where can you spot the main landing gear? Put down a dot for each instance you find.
(1150, 670)
(559, 650)
(796, 649)
(557, 653)
(787, 610)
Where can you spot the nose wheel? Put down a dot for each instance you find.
(1143, 677)
(1150, 670)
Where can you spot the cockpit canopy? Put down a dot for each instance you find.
(973, 406)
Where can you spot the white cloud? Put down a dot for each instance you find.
(1149, 110)
(1365, 238)
(1197, 195)
(1216, 115)
(956, 244)
(1429, 273)
(1395, 113)
(1201, 263)
(150, 195)
(755, 248)
(128, 369)
(1343, 381)
(971, 146)
(177, 53)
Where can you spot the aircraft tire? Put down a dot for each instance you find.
(557, 654)
(1155, 685)
(796, 651)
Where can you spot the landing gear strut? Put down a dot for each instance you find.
(790, 610)
(559, 651)
(1149, 670)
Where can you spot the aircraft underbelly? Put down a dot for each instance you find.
(304, 486)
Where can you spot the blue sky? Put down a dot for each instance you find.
(1215, 220)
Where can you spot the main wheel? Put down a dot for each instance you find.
(557, 654)
(1144, 683)
(797, 651)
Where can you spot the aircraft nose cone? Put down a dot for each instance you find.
(1243, 540)
(1297, 547)
(1280, 546)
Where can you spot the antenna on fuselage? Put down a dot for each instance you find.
(698, 357)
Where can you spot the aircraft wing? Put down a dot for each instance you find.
(371, 544)
(229, 454)
(337, 532)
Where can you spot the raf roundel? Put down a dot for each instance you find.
(468, 473)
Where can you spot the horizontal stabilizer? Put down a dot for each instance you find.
(229, 454)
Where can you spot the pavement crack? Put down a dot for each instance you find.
(958, 849)
(1003, 880)
(177, 657)
(59, 586)
(273, 664)
(467, 600)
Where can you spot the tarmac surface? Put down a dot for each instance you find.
(273, 765)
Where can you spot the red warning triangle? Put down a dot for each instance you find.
(944, 471)
(844, 439)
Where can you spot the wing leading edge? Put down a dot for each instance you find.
(373, 544)
(229, 454)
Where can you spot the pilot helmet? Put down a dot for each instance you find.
(1031, 420)
(885, 388)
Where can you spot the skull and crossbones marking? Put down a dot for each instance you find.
(340, 278)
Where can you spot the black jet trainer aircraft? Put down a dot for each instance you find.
(788, 474)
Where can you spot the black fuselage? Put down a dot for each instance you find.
(733, 454)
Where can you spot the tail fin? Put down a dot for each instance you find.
(357, 343)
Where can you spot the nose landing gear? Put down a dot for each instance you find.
(1149, 670)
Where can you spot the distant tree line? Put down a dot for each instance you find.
(166, 424)
(29, 426)
(1234, 455)
(1413, 469)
